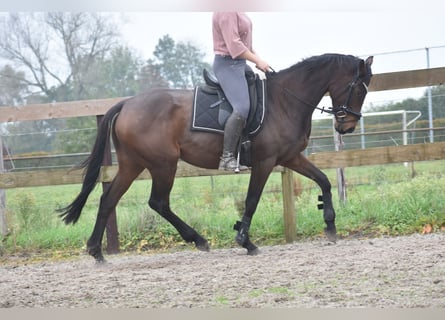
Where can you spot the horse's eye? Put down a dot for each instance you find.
(359, 92)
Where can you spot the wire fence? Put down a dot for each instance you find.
(35, 149)
(39, 160)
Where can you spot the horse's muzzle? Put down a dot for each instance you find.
(343, 128)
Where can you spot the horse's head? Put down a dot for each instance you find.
(347, 100)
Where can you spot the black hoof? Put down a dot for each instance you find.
(253, 252)
(331, 235)
(243, 241)
(203, 246)
(101, 263)
(97, 255)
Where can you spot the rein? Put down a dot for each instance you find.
(322, 109)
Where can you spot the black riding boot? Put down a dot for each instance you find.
(232, 133)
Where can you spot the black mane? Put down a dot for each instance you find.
(314, 63)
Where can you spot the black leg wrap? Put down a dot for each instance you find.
(237, 225)
(320, 205)
(243, 232)
(242, 238)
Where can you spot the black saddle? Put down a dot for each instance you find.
(211, 107)
(210, 79)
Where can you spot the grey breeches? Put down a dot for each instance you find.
(231, 75)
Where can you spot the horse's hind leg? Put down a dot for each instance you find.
(108, 202)
(162, 183)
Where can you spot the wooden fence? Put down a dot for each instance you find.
(346, 158)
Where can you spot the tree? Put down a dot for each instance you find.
(56, 58)
(421, 104)
(78, 136)
(56, 63)
(76, 56)
(12, 87)
(181, 64)
(23, 137)
(150, 77)
(113, 76)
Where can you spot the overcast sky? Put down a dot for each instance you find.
(286, 31)
(397, 40)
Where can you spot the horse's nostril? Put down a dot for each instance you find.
(350, 130)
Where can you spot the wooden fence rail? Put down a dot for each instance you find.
(323, 160)
(347, 158)
(379, 82)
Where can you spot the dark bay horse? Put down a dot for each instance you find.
(152, 131)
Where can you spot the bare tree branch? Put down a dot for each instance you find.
(56, 49)
(20, 44)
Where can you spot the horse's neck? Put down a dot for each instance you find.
(302, 91)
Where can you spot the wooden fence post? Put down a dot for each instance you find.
(341, 180)
(290, 231)
(112, 232)
(3, 222)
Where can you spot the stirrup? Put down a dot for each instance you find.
(229, 163)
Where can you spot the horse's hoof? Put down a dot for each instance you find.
(203, 246)
(97, 255)
(100, 259)
(331, 235)
(101, 262)
(253, 252)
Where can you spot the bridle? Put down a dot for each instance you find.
(340, 112)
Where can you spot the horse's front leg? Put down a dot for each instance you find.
(303, 166)
(258, 178)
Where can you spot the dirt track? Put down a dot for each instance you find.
(385, 272)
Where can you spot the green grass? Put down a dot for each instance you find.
(382, 200)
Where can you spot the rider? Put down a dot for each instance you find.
(232, 45)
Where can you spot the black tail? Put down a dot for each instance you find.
(92, 165)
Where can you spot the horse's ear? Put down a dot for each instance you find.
(365, 65)
(369, 60)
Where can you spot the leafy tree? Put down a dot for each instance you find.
(23, 137)
(77, 137)
(113, 76)
(179, 63)
(421, 104)
(12, 88)
(150, 77)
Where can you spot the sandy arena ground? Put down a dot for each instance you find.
(385, 272)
